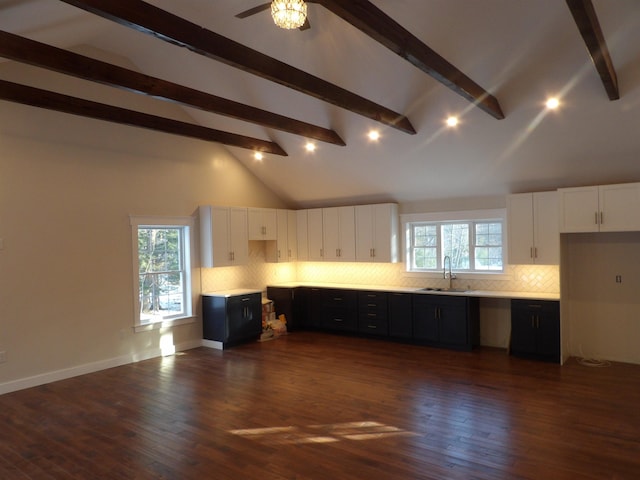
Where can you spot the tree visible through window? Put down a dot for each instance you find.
(163, 272)
(471, 245)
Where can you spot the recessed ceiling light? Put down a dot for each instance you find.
(258, 156)
(310, 147)
(374, 135)
(452, 121)
(552, 103)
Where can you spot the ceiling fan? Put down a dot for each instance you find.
(266, 6)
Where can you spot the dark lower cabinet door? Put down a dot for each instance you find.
(425, 321)
(535, 329)
(454, 326)
(400, 313)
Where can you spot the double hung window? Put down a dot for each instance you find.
(162, 269)
(473, 245)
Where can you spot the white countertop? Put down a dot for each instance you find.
(395, 288)
(232, 293)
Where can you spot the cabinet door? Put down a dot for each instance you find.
(223, 236)
(523, 330)
(302, 235)
(281, 248)
(453, 322)
(579, 209)
(238, 236)
(292, 236)
(364, 233)
(331, 234)
(520, 228)
(386, 230)
(400, 323)
(262, 223)
(315, 234)
(244, 317)
(339, 234)
(215, 240)
(619, 207)
(546, 231)
(425, 319)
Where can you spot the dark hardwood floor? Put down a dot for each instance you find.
(319, 406)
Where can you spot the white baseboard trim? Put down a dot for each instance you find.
(49, 377)
(212, 344)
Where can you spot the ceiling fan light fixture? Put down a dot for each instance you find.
(289, 14)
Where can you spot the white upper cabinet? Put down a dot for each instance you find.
(292, 235)
(314, 235)
(223, 236)
(377, 233)
(339, 234)
(604, 208)
(533, 230)
(302, 235)
(285, 248)
(262, 224)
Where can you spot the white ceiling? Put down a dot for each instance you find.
(521, 51)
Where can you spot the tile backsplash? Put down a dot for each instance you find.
(259, 274)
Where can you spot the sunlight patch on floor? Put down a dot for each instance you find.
(333, 432)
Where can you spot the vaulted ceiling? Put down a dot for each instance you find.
(401, 67)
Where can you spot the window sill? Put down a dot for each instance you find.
(462, 275)
(164, 324)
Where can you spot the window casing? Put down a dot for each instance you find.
(475, 244)
(162, 252)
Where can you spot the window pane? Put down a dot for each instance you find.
(455, 244)
(425, 235)
(161, 278)
(425, 258)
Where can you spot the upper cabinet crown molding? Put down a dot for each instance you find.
(533, 231)
(603, 208)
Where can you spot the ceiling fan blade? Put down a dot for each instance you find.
(254, 10)
(306, 25)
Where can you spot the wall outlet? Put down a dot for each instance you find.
(3, 356)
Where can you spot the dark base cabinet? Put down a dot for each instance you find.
(535, 329)
(372, 313)
(446, 321)
(232, 319)
(400, 315)
(286, 303)
(339, 309)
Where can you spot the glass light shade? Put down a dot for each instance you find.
(289, 13)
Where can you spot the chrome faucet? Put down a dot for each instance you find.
(450, 275)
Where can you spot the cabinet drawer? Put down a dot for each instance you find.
(372, 324)
(340, 299)
(373, 302)
(339, 319)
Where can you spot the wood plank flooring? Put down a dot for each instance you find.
(321, 406)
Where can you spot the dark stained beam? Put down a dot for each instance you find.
(36, 97)
(587, 21)
(368, 18)
(38, 54)
(154, 21)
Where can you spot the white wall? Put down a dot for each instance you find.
(67, 187)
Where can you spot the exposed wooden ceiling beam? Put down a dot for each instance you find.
(587, 21)
(149, 19)
(368, 18)
(64, 103)
(31, 52)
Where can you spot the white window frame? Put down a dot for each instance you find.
(187, 226)
(499, 214)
